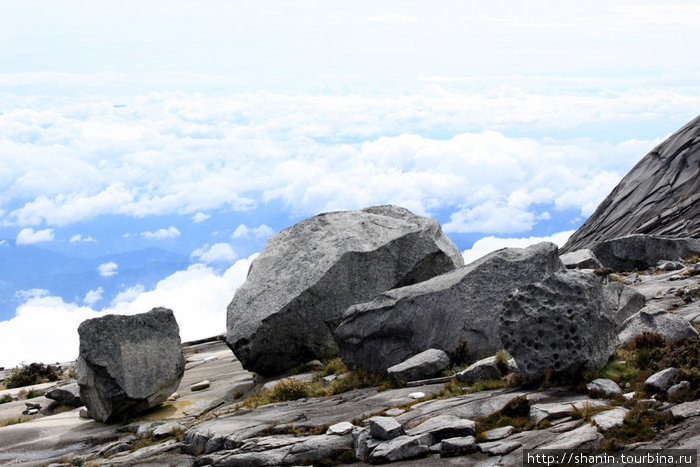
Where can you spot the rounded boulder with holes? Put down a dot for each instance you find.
(559, 326)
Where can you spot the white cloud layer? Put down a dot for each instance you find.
(215, 254)
(243, 231)
(488, 244)
(108, 269)
(28, 236)
(162, 234)
(78, 238)
(44, 328)
(86, 157)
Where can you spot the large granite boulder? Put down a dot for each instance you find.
(560, 325)
(643, 251)
(652, 319)
(454, 312)
(128, 364)
(310, 273)
(659, 196)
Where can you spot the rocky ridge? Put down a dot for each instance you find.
(659, 196)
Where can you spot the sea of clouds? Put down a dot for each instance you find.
(70, 160)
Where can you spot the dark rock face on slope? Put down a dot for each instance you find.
(310, 273)
(643, 251)
(446, 312)
(128, 364)
(658, 196)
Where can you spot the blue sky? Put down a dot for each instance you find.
(200, 128)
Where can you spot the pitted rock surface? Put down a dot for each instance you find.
(310, 273)
(401, 322)
(560, 324)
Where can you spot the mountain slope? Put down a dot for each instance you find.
(658, 196)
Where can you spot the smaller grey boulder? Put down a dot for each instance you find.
(604, 388)
(459, 446)
(609, 419)
(444, 426)
(128, 364)
(67, 395)
(482, 370)
(421, 366)
(686, 410)
(580, 259)
(661, 381)
(643, 251)
(670, 265)
(341, 429)
(385, 428)
(679, 391)
(402, 447)
(650, 318)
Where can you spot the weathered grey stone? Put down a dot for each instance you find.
(650, 318)
(658, 196)
(459, 446)
(584, 437)
(401, 322)
(423, 365)
(499, 448)
(686, 410)
(167, 429)
(499, 433)
(342, 428)
(609, 419)
(313, 271)
(604, 387)
(580, 259)
(385, 428)
(480, 370)
(403, 447)
(560, 324)
(66, 395)
(679, 391)
(202, 385)
(444, 426)
(360, 441)
(269, 451)
(670, 265)
(661, 381)
(643, 251)
(622, 301)
(539, 412)
(128, 364)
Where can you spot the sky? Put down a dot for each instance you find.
(201, 128)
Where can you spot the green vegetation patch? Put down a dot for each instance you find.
(27, 375)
